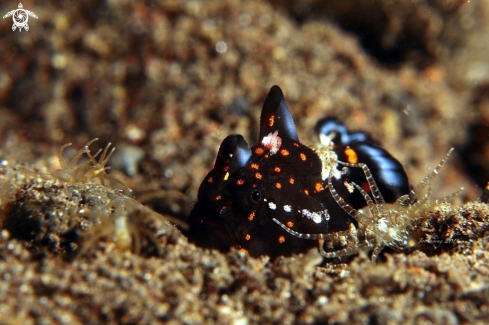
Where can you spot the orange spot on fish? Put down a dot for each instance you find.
(352, 156)
(318, 187)
(271, 120)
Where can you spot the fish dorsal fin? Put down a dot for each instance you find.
(234, 153)
(275, 116)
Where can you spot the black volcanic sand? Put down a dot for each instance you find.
(165, 83)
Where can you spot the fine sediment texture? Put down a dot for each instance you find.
(165, 83)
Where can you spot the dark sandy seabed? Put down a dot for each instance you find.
(165, 82)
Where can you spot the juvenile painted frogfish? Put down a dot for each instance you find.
(252, 193)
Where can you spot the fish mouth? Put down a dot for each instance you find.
(209, 234)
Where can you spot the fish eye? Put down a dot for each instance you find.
(256, 195)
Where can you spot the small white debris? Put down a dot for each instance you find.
(329, 161)
(272, 142)
(349, 187)
(407, 110)
(244, 19)
(221, 47)
(322, 300)
(287, 208)
(325, 140)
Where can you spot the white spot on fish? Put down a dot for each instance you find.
(317, 217)
(272, 141)
(272, 205)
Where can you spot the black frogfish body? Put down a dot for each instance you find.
(277, 178)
